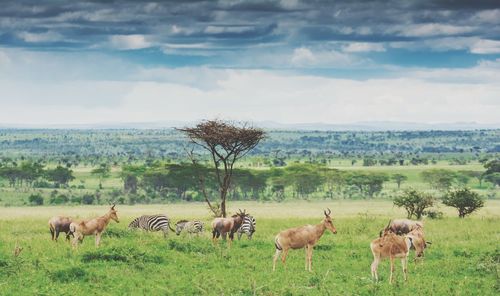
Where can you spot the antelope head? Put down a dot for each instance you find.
(386, 230)
(112, 214)
(328, 221)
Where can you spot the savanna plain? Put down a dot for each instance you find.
(462, 260)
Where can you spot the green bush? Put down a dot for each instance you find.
(88, 199)
(59, 199)
(433, 214)
(414, 202)
(464, 200)
(36, 199)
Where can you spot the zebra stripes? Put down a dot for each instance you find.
(189, 226)
(152, 223)
(247, 226)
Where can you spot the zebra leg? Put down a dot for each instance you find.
(239, 235)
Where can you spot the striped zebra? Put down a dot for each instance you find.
(248, 227)
(189, 226)
(152, 223)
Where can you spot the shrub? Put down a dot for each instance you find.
(59, 199)
(36, 199)
(88, 199)
(433, 214)
(120, 254)
(464, 200)
(414, 202)
(69, 275)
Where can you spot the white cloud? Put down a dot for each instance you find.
(439, 44)
(126, 42)
(432, 29)
(321, 57)
(227, 29)
(254, 95)
(486, 47)
(40, 37)
(4, 59)
(303, 56)
(488, 16)
(363, 47)
(32, 92)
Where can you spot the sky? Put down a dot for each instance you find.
(288, 61)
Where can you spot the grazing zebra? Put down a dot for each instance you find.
(189, 226)
(248, 227)
(152, 223)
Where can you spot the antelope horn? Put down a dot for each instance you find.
(388, 224)
(113, 207)
(329, 211)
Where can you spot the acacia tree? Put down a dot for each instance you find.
(102, 171)
(399, 178)
(227, 143)
(414, 202)
(464, 200)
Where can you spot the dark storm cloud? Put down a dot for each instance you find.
(91, 24)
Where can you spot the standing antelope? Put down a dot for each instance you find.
(302, 237)
(94, 226)
(152, 223)
(390, 246)
(59, 224)
(223, 226)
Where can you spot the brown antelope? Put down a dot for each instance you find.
(59, 224)
(402, 226)
(302, 237)
(418, 242)
(223, 226)
(390, 246)
(94, 226)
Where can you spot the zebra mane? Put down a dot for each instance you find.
(182, 221)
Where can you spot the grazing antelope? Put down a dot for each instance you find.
(302, 237)
(152, 223)
(94, 226)
(223, 226)
(59, 224)
(189, 226)
(402, 226)
(390, 246)
(418, 242)
(248, 227)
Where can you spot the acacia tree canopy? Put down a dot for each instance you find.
(226, 142)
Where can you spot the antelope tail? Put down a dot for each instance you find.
(277, 244)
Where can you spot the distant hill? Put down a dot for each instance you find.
(318, 126)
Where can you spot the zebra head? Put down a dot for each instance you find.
(179, 226)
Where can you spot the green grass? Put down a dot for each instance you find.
(463, 259)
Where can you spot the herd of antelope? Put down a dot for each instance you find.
(394, 241)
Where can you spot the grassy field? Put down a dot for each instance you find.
(463, 259)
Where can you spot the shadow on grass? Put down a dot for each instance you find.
(120, 254)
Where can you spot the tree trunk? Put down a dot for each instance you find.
(223, 203)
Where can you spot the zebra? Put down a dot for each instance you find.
(189, 226)
(152, 223)
(248, 227)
